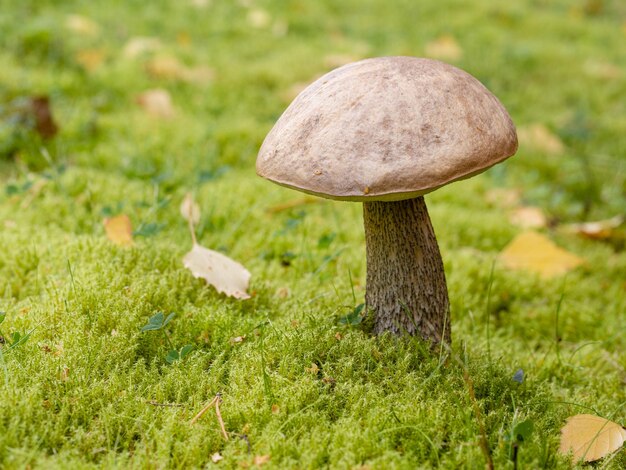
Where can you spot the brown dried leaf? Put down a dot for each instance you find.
(600, 230)
(190, 210)
(275, 409)
(539, 137)
(157, 103)
(444, 47)
(528, 217)
(223, 273)
(119, 230)
(531, 251)
(590, 437)
(42, 114)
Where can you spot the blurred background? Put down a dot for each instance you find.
(169, 89)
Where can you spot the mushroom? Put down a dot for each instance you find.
(385, 131)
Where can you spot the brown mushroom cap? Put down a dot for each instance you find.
(387, 128)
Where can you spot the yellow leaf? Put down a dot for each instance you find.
(190, 210)
(314, 369)
(157, 103)
(119, 230)
(90, 59)
(170, 68)
(528, 217)
(259, 18)
(590, 437)
(539, 137)
(444, 47)
(165, 67)
(82, 25)
(223, 273)
(536, 253)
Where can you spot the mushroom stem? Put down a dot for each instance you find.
(406, 283)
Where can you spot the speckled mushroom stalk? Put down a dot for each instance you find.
(406, 284)
(384, 132)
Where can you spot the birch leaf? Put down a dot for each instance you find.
(531, 251)
(528, 217)
(157, 103)
(590, 437)
(223, 273)
(119, 230)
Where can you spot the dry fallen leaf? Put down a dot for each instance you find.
(603, 70)
(528, 217)
(314, 369)
(82, 25)
(157, 103)
(590, 437)
(216, 457)
(190, 210)
(119, 230)
(260, 460)
(444, 47)
(539, 137)
(275, 409)
(531, 251)
(39, 110)
(223, 273)
(600, 230)
(259, 18)
(165, 67)
(90, 59)
(140, 45)
(170, 68)
(503, 197)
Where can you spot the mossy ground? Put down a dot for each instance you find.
(82, 391)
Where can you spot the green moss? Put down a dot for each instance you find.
(89, 389)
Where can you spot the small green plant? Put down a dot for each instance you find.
(355, 317)
(159, 321)
(15, 339)
(521, 432)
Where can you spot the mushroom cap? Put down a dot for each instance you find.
(387, 128)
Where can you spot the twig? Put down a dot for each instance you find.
(219, 416)
(205, 409)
